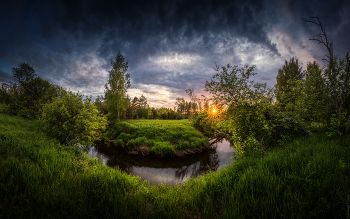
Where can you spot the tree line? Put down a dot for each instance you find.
(116, 104)
(138, 108)
(71, 117)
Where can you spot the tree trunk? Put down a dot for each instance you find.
(346, 81)
(343, 93)
(319, 130)
(347, 126)
(339, 115)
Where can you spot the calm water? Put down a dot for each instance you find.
(166, 170)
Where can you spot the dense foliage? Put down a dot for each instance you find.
(27, 95)
(289, 71)
(73, 119)
(255, 118)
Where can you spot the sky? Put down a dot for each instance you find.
(170, 46)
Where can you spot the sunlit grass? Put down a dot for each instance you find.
(40, 178)
(163, 137)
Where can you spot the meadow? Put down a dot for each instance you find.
(41, 178)
(162, 138)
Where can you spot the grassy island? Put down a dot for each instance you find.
(162, 138)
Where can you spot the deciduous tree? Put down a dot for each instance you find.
(316, 95)
(289, 71)
(73, 119)
(232, 85)
(338, 77)
(118, 83)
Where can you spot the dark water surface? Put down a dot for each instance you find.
(165, 170)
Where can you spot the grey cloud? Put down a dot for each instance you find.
(5, 77)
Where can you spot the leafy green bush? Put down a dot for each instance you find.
(117, 132)
(140, 141)
(120, 142)
(4, 108)
(163, 148)
(183, 145)
(150, 143)
(72, 119)
(130, 144)
(123, 136)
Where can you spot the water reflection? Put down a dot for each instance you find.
(165, 170)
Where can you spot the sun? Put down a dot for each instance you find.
(214, 112)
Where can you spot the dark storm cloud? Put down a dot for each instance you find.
(333, 15)
(71, 43)
(5, 77)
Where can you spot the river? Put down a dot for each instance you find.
(165, 170)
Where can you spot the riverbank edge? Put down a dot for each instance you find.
(146, 151)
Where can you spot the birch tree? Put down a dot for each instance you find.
(118, 83)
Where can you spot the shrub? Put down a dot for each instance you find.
(123, 136)
(186, 136)
(150, 143)
(72, 119)
(114, 143)
(163, 148)
(130, 144)
(120, 142)
(183, 145)
(117, 143)
(140, 141)
(4, 108)
(117, 132)
(195, 143)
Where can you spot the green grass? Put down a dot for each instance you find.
(40, 178)
(163, 137)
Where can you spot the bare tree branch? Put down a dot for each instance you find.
(329, 46)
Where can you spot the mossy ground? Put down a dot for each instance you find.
(40, 178)
(161, 138)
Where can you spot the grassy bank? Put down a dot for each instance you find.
(39, 178)
(156, 137)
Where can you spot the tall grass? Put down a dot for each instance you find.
(40, 178)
